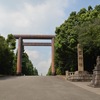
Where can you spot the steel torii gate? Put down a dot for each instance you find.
(20, 43)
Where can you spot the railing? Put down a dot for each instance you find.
(72, 76)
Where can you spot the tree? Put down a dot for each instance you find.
(58, 71)
(65, 45)
(82, 27)
(90, 8)
(11, 42)
(97, 7)
(49, 72)
(82, 11)
(6, 56)
(35, 72)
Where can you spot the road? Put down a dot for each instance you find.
(42, 88)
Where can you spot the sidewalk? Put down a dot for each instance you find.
(84, 85)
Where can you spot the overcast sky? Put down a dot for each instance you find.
(37, 17)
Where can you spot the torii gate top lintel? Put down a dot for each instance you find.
(34, 36)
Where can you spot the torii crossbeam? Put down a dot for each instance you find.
(36, 44)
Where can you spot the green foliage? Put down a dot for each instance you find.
(82, 27)
(97, 7)
(27, 66)
(7, 56)
(58, 71)
(35, 71)
(90, 8)
(49, 72)
(82, 11)
(11, 41)
(89, 33)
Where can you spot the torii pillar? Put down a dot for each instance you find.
(52, 66)
(19, 57)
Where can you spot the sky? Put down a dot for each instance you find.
(36, 17)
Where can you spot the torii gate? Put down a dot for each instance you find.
(20, 43)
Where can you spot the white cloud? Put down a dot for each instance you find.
(31, 18)
(43, 66)
(33, 55)
(19, 20)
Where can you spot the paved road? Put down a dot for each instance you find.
(42, 88)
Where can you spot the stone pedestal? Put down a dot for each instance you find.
(96, 74)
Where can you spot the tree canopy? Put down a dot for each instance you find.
(7, 55)
(81, 27)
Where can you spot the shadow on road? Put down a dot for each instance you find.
(7, 77)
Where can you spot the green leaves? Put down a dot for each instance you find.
(90, 33)
(97, 7)
(82, 11)
(11, 41)
(84, 28)
(6, 57)
(90, 8)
